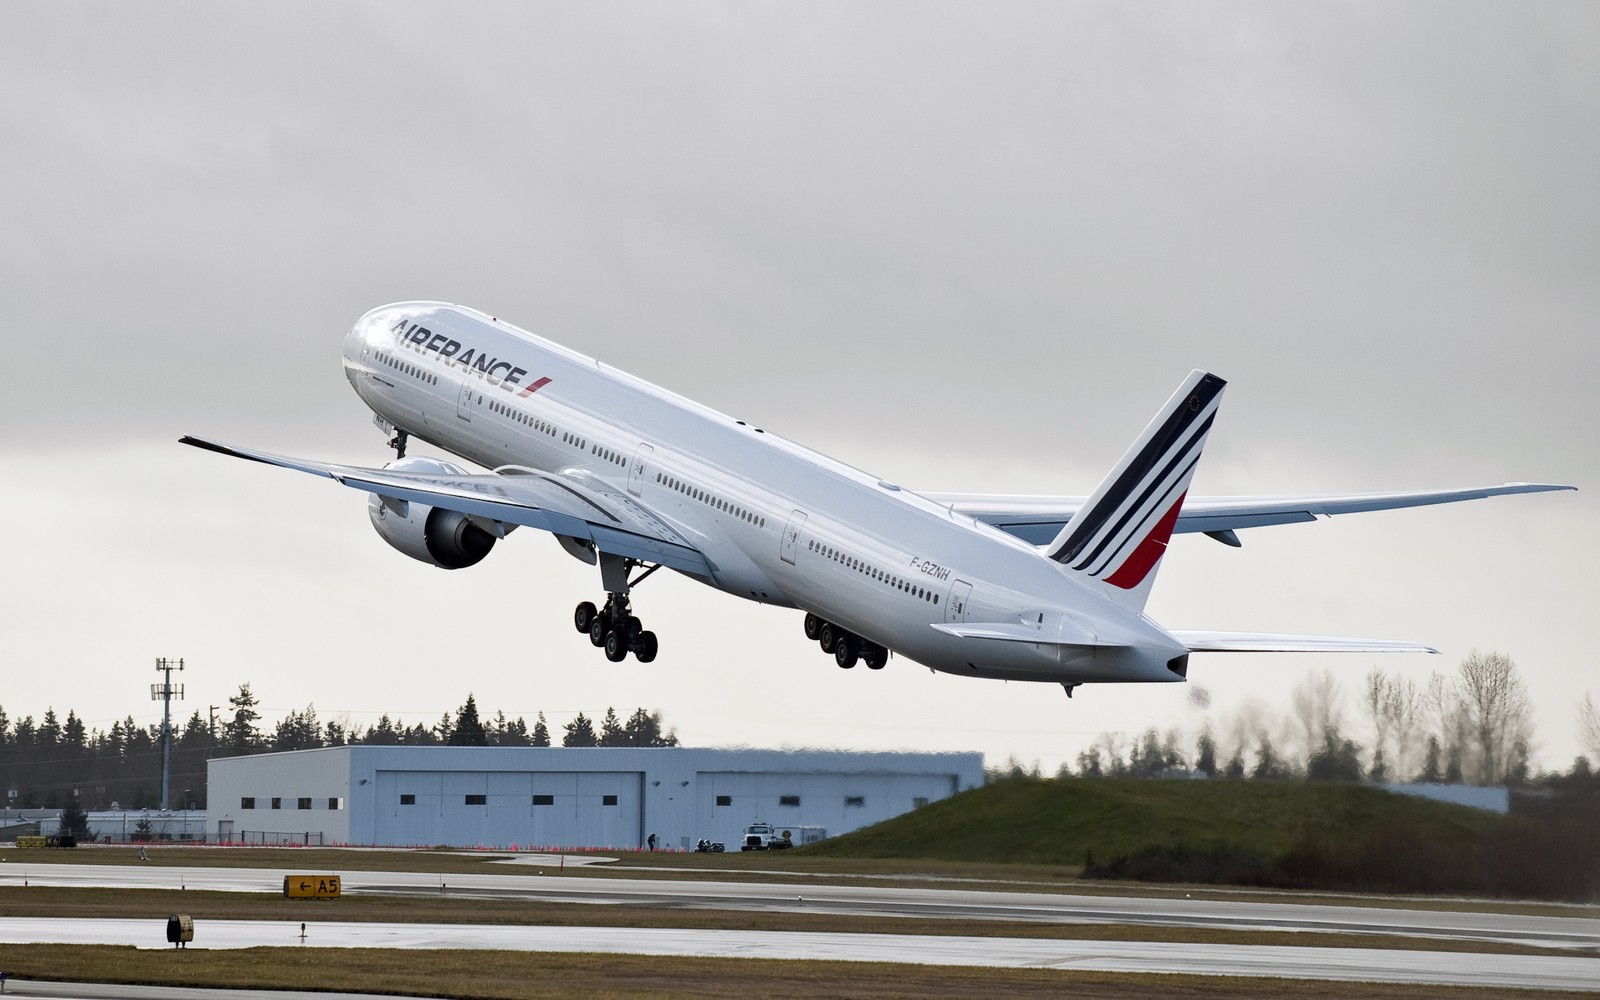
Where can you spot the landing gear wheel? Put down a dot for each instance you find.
(597, 630)
(813, 626)
(828, 636)
(646, 649)
(616, 646)
(874, 656)
(844, 652)
(584, 616)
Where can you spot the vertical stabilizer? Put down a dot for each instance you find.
(1118, 537)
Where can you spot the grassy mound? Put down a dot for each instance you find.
(1074, 822)
(1281, 834)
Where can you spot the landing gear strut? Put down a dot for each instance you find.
(614, 627)
(398, 443)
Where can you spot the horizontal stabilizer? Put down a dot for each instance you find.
(1278, 642)
(1039, 519)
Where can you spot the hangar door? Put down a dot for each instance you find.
(527, 809)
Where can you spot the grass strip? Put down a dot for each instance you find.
(508, 975)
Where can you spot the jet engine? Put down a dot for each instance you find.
(444, 538)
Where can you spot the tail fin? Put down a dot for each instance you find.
(1120, 533)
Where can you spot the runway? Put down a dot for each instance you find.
(1568, 972)
(1578, 932)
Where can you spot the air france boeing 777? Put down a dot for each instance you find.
(630, 477)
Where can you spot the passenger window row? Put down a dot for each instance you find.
(711, 500)
(610, 456)
(873, 572)
(401, 365)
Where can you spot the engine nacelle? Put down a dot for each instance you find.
(444, 538)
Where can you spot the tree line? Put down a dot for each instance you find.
(1474, 726)
(55, 763)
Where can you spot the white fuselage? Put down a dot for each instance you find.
(778, 523)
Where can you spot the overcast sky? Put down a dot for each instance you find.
(964, 247)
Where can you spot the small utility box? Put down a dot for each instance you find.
(180, 929)
(311, 886)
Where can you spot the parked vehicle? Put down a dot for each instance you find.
(762, 837)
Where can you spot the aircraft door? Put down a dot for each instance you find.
(791, 536)
(955, 606)
(464, 400)
(641, 460)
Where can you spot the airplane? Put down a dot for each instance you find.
(631, 478)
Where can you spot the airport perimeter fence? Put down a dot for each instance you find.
(273, 838)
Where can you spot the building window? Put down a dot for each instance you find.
(477, 800)
(608, 800)
(277, 803)
(724, 800)
(407, 799)
(788, 800)
(335, 804)
(303, 804)
(918, 802)
(854, 801)
(544, 800)
(248, 802)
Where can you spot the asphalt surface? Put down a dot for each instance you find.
(1540, 931)
(1568, 972)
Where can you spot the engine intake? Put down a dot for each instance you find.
(434, 535)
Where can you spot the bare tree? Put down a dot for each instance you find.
(1375, 700)
(1496, 710)
(1318, 704)
(1403, 710)
(1589, 726)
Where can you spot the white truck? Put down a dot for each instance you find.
(762, 837)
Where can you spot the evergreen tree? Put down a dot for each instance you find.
(611, 732)
(1206, 753)
(298, 731)
(643, 729)
(467, 731)
(1338, 760)
(1089, 762)
(240, 734)
(580, 733)
(73, 735)
(1235, 768)
(1430, 763)
(383, 734)
(541, 732)
(75, 822)
(49, 734)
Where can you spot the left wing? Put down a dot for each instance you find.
(1039, 519)
(580, 507)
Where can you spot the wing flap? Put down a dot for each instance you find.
(576, 506)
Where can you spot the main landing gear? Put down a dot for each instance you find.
(614, 627)
(845, 647)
